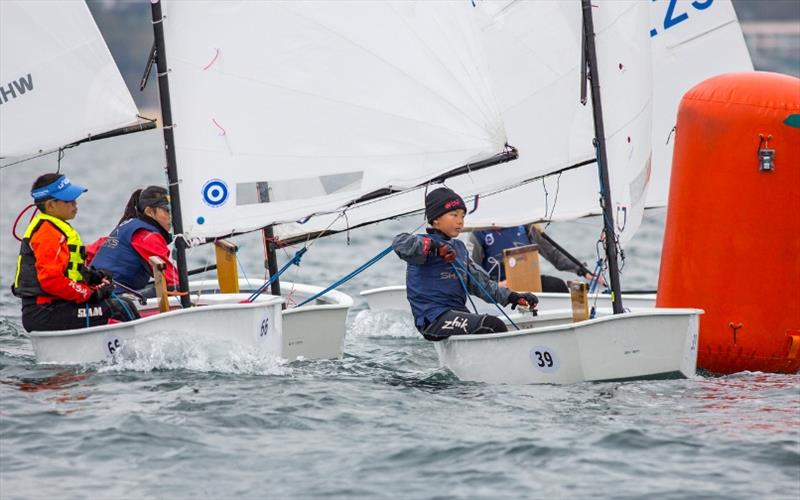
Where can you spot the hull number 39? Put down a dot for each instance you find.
(544, 359)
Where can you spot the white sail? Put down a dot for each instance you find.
(626, 89)
(534, 51)
(545, 121)
(534, 57)
(58, 81)
(702, 39)
(691, 41)
(323, 101)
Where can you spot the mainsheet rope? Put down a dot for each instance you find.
(456, 266)
(383, 253)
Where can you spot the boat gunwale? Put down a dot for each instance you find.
(267, 300)
(571, 326)
(558, 295)
(340, 300)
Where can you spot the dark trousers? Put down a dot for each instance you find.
(65, 315)
(462, 323)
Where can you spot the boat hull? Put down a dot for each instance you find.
(652, 344)
(220, 322)
(393, 298)
(313, 331)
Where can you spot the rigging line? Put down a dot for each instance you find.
(295, 260)
(383, 253)
(39, 155)
(240, 266)
(555, 202)
(546, 196)
(304, 237)
(464, 286)
(458, 265)
(141, 127)
(309, 245)
(58, 162)
(347, 225)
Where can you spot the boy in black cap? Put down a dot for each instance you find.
(434, 286)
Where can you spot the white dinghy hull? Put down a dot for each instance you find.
(654, 344)
(313, 331)
(393, 298)
(219, 321)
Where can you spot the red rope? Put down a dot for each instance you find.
(14, 227)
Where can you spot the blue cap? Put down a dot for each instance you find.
(60, 189)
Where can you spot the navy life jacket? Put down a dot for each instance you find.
(433, 288)
(118, 255)
(494, 242)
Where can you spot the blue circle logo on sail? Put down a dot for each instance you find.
(215, 193)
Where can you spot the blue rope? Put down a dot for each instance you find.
(350, 276)
(483, 290)
(464, 286)
(596, 277)
(124, 306)
(295, 260)
(239, 266)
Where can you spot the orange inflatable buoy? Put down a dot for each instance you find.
(732, 236)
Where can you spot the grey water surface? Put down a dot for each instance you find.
(383, 422)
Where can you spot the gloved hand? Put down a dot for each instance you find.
(443, 250)
(101, 292)
(526, 299)
(94, 276)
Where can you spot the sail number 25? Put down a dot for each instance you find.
(673, 16)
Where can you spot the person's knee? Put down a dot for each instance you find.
(553, 284)
(121, 309)
(491, 324)
(496, 324)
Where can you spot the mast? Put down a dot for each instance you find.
(169, 145)
(602, 160)
(269, 244)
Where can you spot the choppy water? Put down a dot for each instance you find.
(384, 421)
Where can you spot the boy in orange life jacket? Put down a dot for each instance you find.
(58, 292)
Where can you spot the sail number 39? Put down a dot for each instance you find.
(544, 359)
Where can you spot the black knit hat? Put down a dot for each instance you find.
(440, 201)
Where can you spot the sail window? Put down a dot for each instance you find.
(249, 193)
